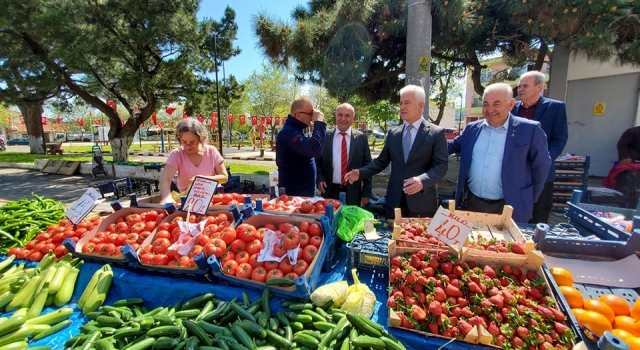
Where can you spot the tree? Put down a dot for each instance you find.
(446, 84)
(363, 44)
(141, 54)
(324, 102)
(381, 113)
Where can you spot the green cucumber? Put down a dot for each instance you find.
(286, 282)
(365, 341)
(391, 344)
(282, 318)
(306, 340)
(128, 302)
(165, 331)
(314, 315)
(188, 314)
(301, 306)
(253, 329)
(165, 343)
(195, 303)
(141, 345)
(244, 314)
(211, 328)
(359, 322)
(194, 329)
(274, 324)
(278, 341)
(296, 326)
(324, 326)
(192, 343)
(242, 336)
(304, 319)
(109, 321)
(266, 300)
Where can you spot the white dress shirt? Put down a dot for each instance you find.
(337, 154)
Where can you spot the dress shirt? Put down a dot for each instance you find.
(337, 154)
(414, 131)
(485, 173)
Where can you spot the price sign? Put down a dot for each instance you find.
(449, 227)
(83, 206)
(200, 195)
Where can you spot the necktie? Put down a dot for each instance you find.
(345, 159)
(406, 142)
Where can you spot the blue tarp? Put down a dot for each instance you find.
(159, 290)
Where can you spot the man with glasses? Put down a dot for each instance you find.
(296, 153)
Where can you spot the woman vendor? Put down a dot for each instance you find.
(193, 157)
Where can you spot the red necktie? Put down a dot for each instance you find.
(345, 160)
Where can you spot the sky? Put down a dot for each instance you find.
(250, 58)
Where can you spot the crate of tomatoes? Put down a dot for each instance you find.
(506, 304)
(314, 207)
(53, 239)
(283, 254)
(222, 201)
(125, 226)
(182, 249)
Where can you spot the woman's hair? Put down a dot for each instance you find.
(193, 126)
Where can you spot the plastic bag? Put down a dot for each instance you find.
(360, 299)
(351, 221)
(336, 291)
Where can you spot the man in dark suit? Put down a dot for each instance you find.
(503, 158)
(417, 151)
(344, 149)
(629, 146)
(552, 116)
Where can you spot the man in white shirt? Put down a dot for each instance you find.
(344, 149)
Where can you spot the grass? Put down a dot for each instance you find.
(238, 168)
(106, 149)
(16, 157)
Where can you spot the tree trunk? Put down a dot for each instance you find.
(32, 115)
(443, 94)
(542, 53)
(120, 148)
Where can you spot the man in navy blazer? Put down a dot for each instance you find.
(552, 116)
(504, 158)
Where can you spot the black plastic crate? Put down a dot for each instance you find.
(371, 255)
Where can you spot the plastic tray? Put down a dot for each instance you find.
(370, 255)
(304, 285)
(580, 213)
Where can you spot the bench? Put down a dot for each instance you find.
(55, 148)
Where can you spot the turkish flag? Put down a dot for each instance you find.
(170, 110)
(160, 125)
(59, 120)
(154, 119)
(112, 104)
(81, 122)
(277, 121)
(44, 121)
(200, 119)
(97, 121)
(184, 114)
(263, 120)
(269, 120)
(254, 120)
(243, 120)
(214, 117)
(230, 118)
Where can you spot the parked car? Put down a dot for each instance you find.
(451, 133)
(19, 141)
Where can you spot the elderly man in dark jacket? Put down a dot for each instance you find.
(629, 146)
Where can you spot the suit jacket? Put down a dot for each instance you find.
(525, 164)
(359, 156)
(428, 160)
(629, 144)
(552, 116)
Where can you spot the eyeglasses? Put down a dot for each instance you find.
(307, 113)
(189, 144)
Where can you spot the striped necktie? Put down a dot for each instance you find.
(406, 142)
(345, 159)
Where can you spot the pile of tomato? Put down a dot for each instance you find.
(241, 259)
(35, 249)
(227, 199)
(130, 229)
(285, 204)
(212, 240)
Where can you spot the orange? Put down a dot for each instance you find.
(636, 329)
(634, 343)
(616, 303)
(562, 276)
(622, 334)
(625, 322)
(597, 323)
(577, 313)
(635, 310)
(573, 296)
(599, 307)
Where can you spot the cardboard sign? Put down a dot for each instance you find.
(200, 195)
(449, 227)
(83, 206)
(370, 230)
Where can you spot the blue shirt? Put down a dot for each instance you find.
(485, 173)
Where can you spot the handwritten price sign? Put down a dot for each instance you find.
(449, 227)
(83, 206)
(200, 195)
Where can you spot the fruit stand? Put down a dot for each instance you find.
(493, 290)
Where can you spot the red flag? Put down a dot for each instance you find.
(59, 120)
(160, 125)
(263, 120)
(170, 110)
(97, 121)
(243, 120)
(142, 124)
(44, 121)
(154, 118)
(214, 117)
(254, 120)
(184, 114)
(277, 121)
(81, 122)
(230, 118)
(200, 119)
(111, 104)
(269, 120)
(122, 123)
(261, 128)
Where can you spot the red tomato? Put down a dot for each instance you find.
(142, 236)
(209, 230)
(242, 257)
(271, 227)
(43, 237)
(163, 234)
(195, 251)
(309, 252)
(215, 247)
(320, 206)
(32, 243)
(202, 240)
(175, 234)
(47, 247)
(160, 245)
(89, 248)
(228, 255)
(60, 251)
(109, 249)
(221, 218)
(254, 246)
(244, 270)
(110, 238)
(23, 254)
(121, 239)
(253, 260)
(14, 251)
(35, 256)
(193, 219)
(316, 241)
(146, 259)
(301, 267)
(279, 250)
(285, 266)
(80, 232)
(151, 215)
(285, 227)
(174, 222)
(64, 222)
(131, 238)
(111, 228)
(121, 227)
(238, 246)
(172, 263)
(315, 230)
(135, 246)
(304, 226)
(138, 227)
(259, 274)
(230, 267)
(270, 265)
(275, 273)
(246, 233)
(58, 238)
(159, 259)
(260, 233)
(291, 276)
(183, 261)
(306, 207)
(291, 240)
(131, 219)
(228, 235)
(304, 239)
(226, 198)
(164, 226)
(38, 247)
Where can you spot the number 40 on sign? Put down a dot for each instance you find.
(449, 227)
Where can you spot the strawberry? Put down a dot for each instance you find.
(535, 293)
(452, 300)
(493, 328)
(494, 291)
(465, 327)
(411, 278)
(473, 287)
(433, 328)
(391, 302)
(435, 309)
(421, 254)
(443, 255)
(418, 287)
(497, 300)
(518, 248)
(408, 301)
(505, 312)
(517, 342)
(415, 262)
(522, 332)
(517, 272)
(532, 274)
(418, 313)
(452, 290)
(422, 280)
(407, 291)
(501, 340)
(466, 312)
(434, 263)
(453, 321)
(483, 288)
(447, 267)
(440, 295)
(488, 271)
(428, 271)
(455, 282)
(475, 320)
(458, 271)
(503, 281)
(532, 323)
(560, 328)
(559, 316)
(545, 346)
(396, 261)
(462, 302)
(474, 278)
(456, 311)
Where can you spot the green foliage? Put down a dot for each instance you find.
(381, 113)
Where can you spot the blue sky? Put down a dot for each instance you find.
(251, 58)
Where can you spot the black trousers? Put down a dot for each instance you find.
(481, 205)
(406, 213)
(335, 189)
(542, 208)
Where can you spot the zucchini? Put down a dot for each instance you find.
(208, 307)
(194, 329)
(324, 326)
(282, 318)
(242, 336)
(253, 329)
(282, 282)
(211, 328)
(244, 314)
(165, 343)
(306, 340)
(365, 341)
(314, 315)
(213, 315)
(141, 345)
(109, 321)
(391, 344)
(132, 330)
(163, 320)
(346, 344)
(128, 302)
(194, 303)
(342, 325)
(165, 331)
(14, 323)
(54, 329)
(278, 341)
(301, 306)
(266, 300)
(188, 314)
(104, 344)
(304, 319)
(358, 322)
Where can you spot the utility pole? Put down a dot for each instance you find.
(419, 47)
(215, 54)
(224, 82)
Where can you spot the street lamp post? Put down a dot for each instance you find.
(461, 112)
(215, 54)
